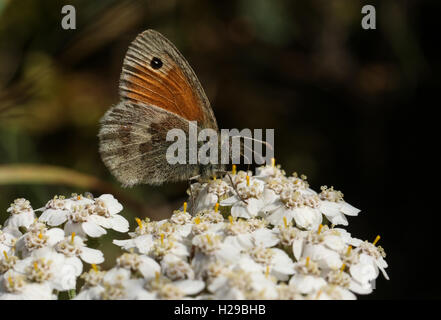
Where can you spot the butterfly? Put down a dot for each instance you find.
(159, 91)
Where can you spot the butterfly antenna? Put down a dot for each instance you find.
(268, 145)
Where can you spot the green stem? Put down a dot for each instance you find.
(72, 293)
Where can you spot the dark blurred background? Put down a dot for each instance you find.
(350, 107)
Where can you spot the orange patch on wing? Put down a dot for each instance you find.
(167, 91)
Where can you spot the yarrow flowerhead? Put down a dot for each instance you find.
(238, 236)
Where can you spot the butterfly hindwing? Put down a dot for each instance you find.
(133, 144)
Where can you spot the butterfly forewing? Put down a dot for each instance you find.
(172, 87)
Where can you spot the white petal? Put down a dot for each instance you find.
(90, 255)
(92, 229)
(345, 294)
(24, 219)
(282, 265)
(297, 248)
(144, 243)
(119, 223)
(247, 264)
(363, 273)
(55, 235)
(265, 237)
(65, 278)
(12, 232)
(205, 200)
(70, 227)
(184, 230)
(93, 293)
(382, 264)
(307, 218)
(228, 253)
(112, 204)
(229, 201)
(190, 287)
(254, 206)
(37, 291)
(148, 267)
(334, 242)
(239, 210)
(53, 217)
(339, 219)
(360, 289)
(276, 218)
(330, 208)
(306, 283)
(217, 284)
(269, 197)
(242, 241)
(75, 263)
(100, 220)
(125, 244)
(349, 210)
(270, 207)
(325, 258)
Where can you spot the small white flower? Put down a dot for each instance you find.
(303, 208)
(21, 214)
(210, 245)
(376, 254)
(333, 292)
(46, 265)
(105, 212)
(249, 200)
(164, 288)
(211, 193)
(15, 286)
(83, 222)
(334, 207)
(57, 210)
(364, 271)
(37, 237)
(138, 263)
(84, 216)
(115, 284)
(240, 285)
(7, 241)
(143, 244)
(273, 260)
(365, 267)
(74, 246)
(269, 171)
(307, 279)
(175, 268)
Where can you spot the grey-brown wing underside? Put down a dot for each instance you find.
(133, 144)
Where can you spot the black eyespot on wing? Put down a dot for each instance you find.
(156, 63)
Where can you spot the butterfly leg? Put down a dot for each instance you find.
(191, 193)
(221, 172)
(235, 189)
(226, 173)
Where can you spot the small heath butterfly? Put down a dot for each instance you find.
(159, 91)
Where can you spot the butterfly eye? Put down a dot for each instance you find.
(156, 63)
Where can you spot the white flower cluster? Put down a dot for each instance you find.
(39, 257)
(267, 236)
